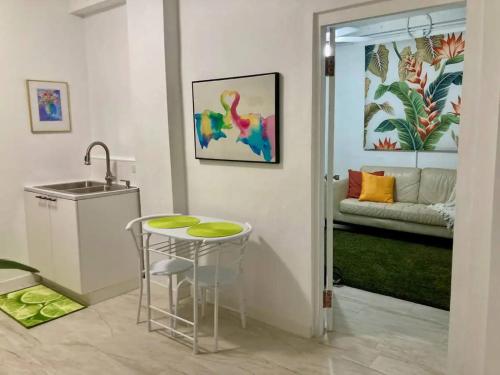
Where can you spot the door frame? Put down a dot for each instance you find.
(342, 14)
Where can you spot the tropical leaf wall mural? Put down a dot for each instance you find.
(413, 94)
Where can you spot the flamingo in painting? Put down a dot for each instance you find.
(256, 131)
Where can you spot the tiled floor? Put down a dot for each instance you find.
(373, 335)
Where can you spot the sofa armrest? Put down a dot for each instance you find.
(340, 188)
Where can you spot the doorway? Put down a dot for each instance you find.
(375, 73)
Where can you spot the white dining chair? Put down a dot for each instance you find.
(163, 267)
(213, 277)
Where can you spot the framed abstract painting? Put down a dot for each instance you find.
(48, 103)
(237, 118)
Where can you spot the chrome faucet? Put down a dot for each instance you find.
(109, 176)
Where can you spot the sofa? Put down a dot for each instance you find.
(415, 190)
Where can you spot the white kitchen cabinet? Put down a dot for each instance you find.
(81, 244)
(39, 239)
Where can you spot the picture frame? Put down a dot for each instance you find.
(237, 118)
(49, 106)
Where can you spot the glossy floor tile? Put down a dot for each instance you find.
(373, 335)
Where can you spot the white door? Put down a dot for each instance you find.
(328, 106)
(39, 233)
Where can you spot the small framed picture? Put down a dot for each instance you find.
(48, 106)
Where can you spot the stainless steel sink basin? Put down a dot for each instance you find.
(96, 189)
(81, 189)
(73, 185)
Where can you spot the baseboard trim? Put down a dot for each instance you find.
(19, 282)
(95, 296)
(268, 317)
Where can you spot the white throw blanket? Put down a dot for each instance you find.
(447, 210)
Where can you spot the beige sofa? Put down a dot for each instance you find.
(415, 190)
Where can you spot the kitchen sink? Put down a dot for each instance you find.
(96, 189)
(81, 189)
(73, 185)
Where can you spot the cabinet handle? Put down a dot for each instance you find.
(46, 198)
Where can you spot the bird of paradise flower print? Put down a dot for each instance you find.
(387, 144)
(425, 94)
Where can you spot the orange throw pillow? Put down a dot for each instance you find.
(355, 183)
(377, 188)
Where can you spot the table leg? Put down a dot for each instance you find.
(148, 279)
(195, 299)
(216, 304)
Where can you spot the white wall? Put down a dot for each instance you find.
(84, 8)
(232, 38)
(349, 150)
(107, 59)
(474, 341)
(110, 114)
(149, 104)
(39, 40)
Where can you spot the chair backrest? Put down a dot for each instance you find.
(134, 227)
(242, 245)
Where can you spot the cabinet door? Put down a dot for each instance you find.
(38, 234)
(108, 254)
(65, 246)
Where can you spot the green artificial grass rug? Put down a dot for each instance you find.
(409, 267)
(214, 229)
(172, 222)
(36, 305)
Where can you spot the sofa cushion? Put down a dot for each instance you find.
(377, 188)
(410, 212)
(407, 181)
(355, 182)
(436, 185)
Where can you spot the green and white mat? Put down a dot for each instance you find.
(36, 305)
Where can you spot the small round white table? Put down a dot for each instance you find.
(180, 245)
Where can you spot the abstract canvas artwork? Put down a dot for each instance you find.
(48, 106)
(413, 94)
(237, 118)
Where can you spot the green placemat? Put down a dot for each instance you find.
(36, 305)
(171, 222)
(215, 229)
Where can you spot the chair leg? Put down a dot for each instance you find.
(216, 317)
(175, 308)
(203, 301)
(170, 300)
(141, 285)
(242, 304)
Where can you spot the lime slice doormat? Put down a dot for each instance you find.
(172, 222)
(215, 229)
(36, 305)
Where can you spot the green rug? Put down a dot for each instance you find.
(36, 305)
(413, 268)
